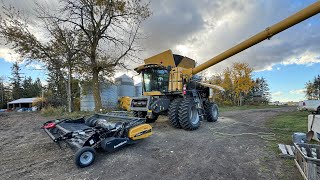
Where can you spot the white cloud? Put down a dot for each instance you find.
(298, 91)
(203, 29)
(306, 58)
(34, 66)
(279, 93)
(9, 55)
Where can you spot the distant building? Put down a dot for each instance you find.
(21, 103)
(110, 93)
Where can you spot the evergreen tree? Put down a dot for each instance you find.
(16, 81)
(27, 87)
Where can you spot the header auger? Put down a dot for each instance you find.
(171, 86)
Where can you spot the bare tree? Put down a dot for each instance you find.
(110, 28)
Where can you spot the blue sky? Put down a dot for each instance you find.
(287, 82)
(202, 29)
(32, 70)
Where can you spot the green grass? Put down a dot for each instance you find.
(246, 107)
(59, 112)
(284, 126)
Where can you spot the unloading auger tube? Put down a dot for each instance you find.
(266, 34)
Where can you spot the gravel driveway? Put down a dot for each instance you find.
(27, 153)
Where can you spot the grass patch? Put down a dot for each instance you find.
(284, 126)
(59, 112)
(246, 107)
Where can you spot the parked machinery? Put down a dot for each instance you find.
(171, 86)
(108, 132)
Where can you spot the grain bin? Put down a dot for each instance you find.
(125, 86)
(138, 89)
(109, 95)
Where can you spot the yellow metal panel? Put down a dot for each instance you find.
(140, 132)
(125, 102)
(152, 93)
(187, 63)
(176, 80)
(164, 58)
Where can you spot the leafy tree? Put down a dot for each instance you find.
(241, 75)
(313, 89)
(237, 82)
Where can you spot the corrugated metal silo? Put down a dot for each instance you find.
(138, 89)
(125, 86)
(86, 101)
(109, 96)
(108, 93)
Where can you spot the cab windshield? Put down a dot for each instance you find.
(155, 80)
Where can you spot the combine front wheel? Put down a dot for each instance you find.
(188, 115)
(212, 112)
(174, 112)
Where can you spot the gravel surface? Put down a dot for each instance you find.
(26, 152)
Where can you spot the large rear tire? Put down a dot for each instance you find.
(188, 115)
(212, 112)
(174, 112)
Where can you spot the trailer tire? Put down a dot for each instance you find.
(212, 112)
(85, 156)
(143, 114)
(174, 112)
(152, 120)
(188, 115)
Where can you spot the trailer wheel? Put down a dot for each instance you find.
(143, 114)
(152, 120)
(212, 112)
(174, 112)
(188, 115)
(85, 156)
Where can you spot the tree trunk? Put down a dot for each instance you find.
(69, 89)
(96, 90)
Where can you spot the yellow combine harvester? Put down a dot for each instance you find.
(171, 86)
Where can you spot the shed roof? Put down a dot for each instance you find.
(23, 100)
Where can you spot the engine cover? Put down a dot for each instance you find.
(140, 132)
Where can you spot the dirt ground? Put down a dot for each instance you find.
(26, 152)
